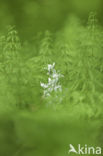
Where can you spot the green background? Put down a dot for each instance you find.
(33, 34)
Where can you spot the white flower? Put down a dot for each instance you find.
(44, 85)
(53, 81)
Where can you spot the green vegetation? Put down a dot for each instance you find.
(51, 88)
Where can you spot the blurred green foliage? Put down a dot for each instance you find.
(32, 16)
(69, 34)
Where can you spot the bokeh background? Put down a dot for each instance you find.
(60, 31)
(32, 16)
